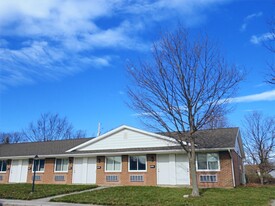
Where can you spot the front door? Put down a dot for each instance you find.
(163, 170)
(18, 171)
(182, 170)
(84, 170)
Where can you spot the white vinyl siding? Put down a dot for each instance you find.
(208, 162)
(61, 165)
(113, 164)
(128, 139)
(137, 163)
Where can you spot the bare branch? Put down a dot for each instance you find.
(183, 88)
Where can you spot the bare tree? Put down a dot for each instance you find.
(259, 142)
(181, 88)
(11, 137)
(217, 122)
(51, 127)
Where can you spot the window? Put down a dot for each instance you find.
(39, 165)
(113, 164)
(208, 178)
(208, 161)
(137, 163)
(136, 178)
(61, 165)
(111, 178)
(3, 165)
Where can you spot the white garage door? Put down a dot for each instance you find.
(172, 169)
(18, 171)
(84, 170)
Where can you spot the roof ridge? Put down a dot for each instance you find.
(58, 140)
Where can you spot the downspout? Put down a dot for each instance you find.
(232, 167)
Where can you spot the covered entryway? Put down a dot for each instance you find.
(84, 170)
(18, 171)
(172, 169)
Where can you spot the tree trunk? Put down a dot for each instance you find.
(260, 174)
(192, 163)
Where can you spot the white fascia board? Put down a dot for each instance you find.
(39, 156)
(96, 139)
(98, 154)
(214, 149)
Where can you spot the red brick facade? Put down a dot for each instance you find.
(49, 175)
(123, 177)
(224, 175)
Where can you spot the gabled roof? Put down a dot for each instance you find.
(153, 136)
(39, 148)
(215, 139)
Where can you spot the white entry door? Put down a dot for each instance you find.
(163, 170)
(18, 171)
(173, 169)
(182, 170)
(84, 170)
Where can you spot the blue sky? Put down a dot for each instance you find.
(69, 57)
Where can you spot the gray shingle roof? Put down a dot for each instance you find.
(216, 138)
(39, 148)
(206, 139)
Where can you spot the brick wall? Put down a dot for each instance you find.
(48, 176)
(238, 167)
(150, 176)
(224, 176)
(5, 175)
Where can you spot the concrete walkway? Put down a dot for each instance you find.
(45, 201)
(272, 203)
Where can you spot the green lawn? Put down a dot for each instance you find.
(143, 196)
(23, 191)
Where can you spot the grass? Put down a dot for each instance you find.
(145, 196)
(23, 191)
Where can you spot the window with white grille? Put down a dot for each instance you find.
(136, 178)
(37, 177)
(111, 178)
(59, 178)
(208, 178)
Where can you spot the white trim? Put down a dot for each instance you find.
(208, 170)
(4, 160)
(120, 169)
(232, 168)
(39, 165)
(123, 127)
(116, 153)
(137, 164)
(63, 171)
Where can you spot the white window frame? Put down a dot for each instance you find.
(129, 170)
(63, 171)
(202, 170)
(2, 163)
(37, 171)
(113, 164)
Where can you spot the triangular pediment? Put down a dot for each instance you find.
(125, 137)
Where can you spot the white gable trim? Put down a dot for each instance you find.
(114, 131)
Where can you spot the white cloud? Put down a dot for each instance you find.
(264, 96)
(56, 38)
(249, 18)
(261, 38)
